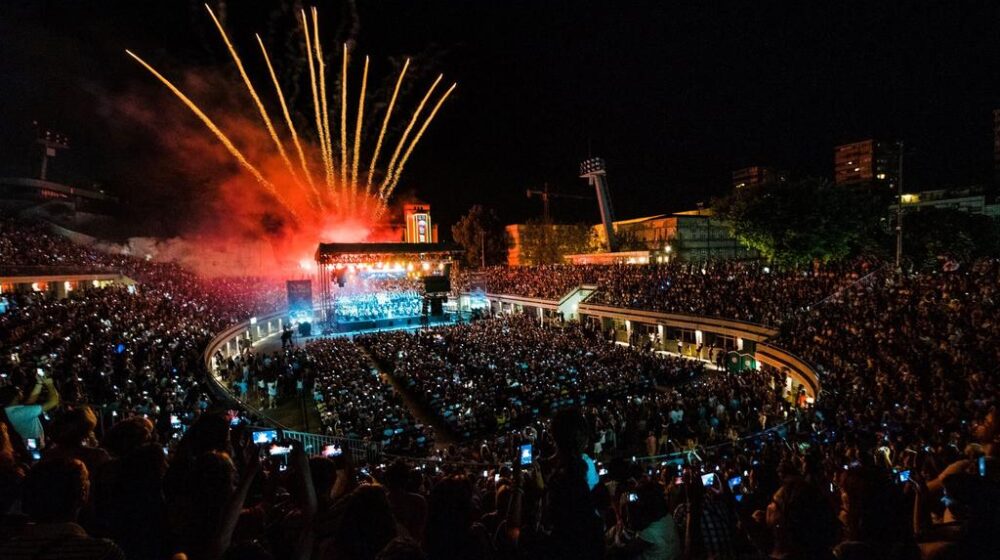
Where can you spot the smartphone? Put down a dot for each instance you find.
(982, 466)
(633, 497)
(734, 482)
(678, 481)
(236, 421)
(526, 454)
(602, 471)
(904, 476)
(31, 444)
(282, 467)
(175, 422)
(496, 478)
(332, 450)
(265, 436)
(486, 473)
(708, 480)
(40, 372)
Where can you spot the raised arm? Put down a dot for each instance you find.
(52, 395)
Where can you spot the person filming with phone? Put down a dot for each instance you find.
(23, 414)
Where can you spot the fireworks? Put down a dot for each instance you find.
(334, 183)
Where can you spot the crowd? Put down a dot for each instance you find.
(123, 350)
(745, 291)
(111, 445)
(486, 375)
(375, 306)
(337, 377)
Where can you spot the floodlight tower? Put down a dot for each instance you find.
(50, 142)
(593, 170)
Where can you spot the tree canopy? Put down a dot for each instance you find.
(480, 228)
(797, 222)
(545, 243)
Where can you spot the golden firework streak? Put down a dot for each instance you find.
(385, 125)
(321, 67)
(357, 129)
(337, 192)
(233, 150)
(406, 134)
(253, 94)
(343, 121)
(315, 92)
(288, 121)
(416, 139)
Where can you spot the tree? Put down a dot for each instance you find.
(479, 229)
(797, 222)
(628, 240)
(544, 243)
(933, 234)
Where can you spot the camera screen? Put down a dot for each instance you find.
(526, 454)
(280, 450)
(332, 451)
(265, 436)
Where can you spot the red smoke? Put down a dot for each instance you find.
(239, 227)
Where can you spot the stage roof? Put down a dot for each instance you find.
(336, 251)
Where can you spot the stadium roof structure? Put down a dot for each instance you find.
(358, 253)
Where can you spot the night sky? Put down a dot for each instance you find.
(674, 95)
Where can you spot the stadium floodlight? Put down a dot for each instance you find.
(593, 170)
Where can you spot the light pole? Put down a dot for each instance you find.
(482, 247)
(899, 212)
(708, 231)
(50, 142)
(594, 171)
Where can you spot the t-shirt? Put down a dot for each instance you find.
(661, 536)
(62, 541)
(25, 419)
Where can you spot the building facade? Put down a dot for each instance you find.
(996, 147)
(970, 200)
(419, 228)
(868, 162)
(757, 175)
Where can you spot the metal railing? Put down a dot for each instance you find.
(57, 270)
(233, 341)
(357, 449)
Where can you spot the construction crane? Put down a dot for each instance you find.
(545, 194)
